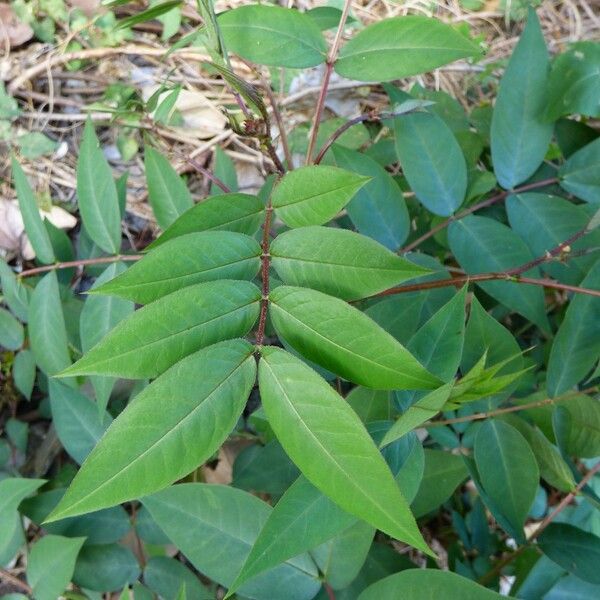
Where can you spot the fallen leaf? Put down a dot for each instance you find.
(12, 28)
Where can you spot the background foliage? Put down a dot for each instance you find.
(393, 342)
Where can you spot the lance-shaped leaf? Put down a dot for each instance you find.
(508, 470)
(47, 331)
(314, 195)
(97, 194)
(423, 410)
(378, 209)
(483, 245)
(339, 262)
(331, 446)
(573, 549)
(78, 422)
(50, 565)
(215, 526)
(167, 192)
(231, 212)
(580, 174)
(186, 260)
(302, 519)
(98, 316)
(344, 340)
(273, 35)
(576, 346)
(400, 47)
(34, 226)
(432, 161)
(520, 136)
(412, 584)
(158, 335)
(152, 444)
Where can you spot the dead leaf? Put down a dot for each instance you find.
(12, 28)
(88, 7)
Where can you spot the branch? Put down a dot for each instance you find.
(483, 204)
(79, 263)
(326, 78)
(459, 281)
(209, 175)
(509, 409)
(15, 581)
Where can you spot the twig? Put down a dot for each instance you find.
(79, 263)
(209, 175)
(326, 78)
(483, 204)
(459, 281)
(15, 581)
(509, 409)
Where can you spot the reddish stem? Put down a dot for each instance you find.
(265, 264)
(80, 263)
(483, 204)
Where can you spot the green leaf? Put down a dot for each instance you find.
(483, 245)
(165, 576)
(575, 550)
(302, 519)
(187, 260)
(370, 405)
(78, 423)
(441, 585)
(167, 192)
(314, 195)
(15, 294)
(23, 372)
(378, 209)
(552, 466)
(423, 410)
(232, 212)
(580, 175)
(582, 437)
(508, 470)
(12, 334)
(438, 344)
(342, 339)
(224, 169)
(147, 448)
(147, 15)
(50, 565)
(432, 161)
(574, 84)
(400, 47)
(443, 473)
(105, 568)
(341, 558)
(47, 331)
(97, 194)
(544, 222)
(272, 35)
(162, 333)
(12, 491)
(576, 346)
(339, 262)
(331, 446)
(34, 226)
(98, 316)
(215, 526)
(519, 136)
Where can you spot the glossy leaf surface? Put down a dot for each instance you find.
(314, 195)
(350, 469)
(345, 341)
(400, 47)
(147, 448)
(187, 260)
(162, 333)
(338, 262)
